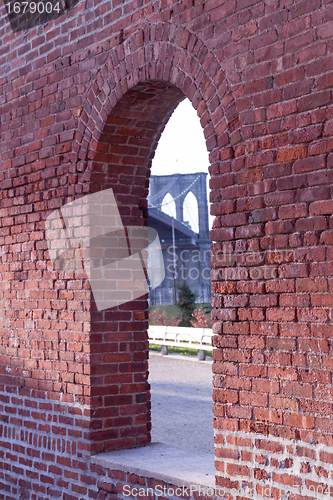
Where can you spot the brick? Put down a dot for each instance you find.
(224, 396)
(282, 344)
(238, 412)
(227, 453)
(280, 286)
(251, 287)
(314, 101)
(321, 300)
(271, 416)
(279, 227)
(238, 470)
(290, 154)
(271, 446)
(293, 270)
(318, 50)
(86, 115)
(294, 182)
(321, 208)
(236, 383)
(313, 315)
(321, 269)
(311, 285)
(324, 424)
(326, 64)
(282, 403)
(293, 212)
(226, 483)
(253, 314)
(267, 98)
(280, 314)
(322, 330)
(325, 81)
(253, 399)
(284, 373)
(310, 164)
(289, 76)
(286, 479)
(280, 256)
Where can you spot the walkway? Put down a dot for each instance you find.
(181, 392)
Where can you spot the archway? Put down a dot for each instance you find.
(271, 190)
(120, 159)
(117, 134)
(111, 145)
(168, 205)
(190, 211)
(181, 391)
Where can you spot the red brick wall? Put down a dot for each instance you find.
(83, 101)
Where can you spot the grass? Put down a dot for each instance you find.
(184, 351)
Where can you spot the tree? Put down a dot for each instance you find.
(186, 303)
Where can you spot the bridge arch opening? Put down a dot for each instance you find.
(179, 169)
(191, 211)
(168, 205)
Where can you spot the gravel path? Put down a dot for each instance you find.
(181, 393)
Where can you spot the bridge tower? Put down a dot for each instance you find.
(192, 250)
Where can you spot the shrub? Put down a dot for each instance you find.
(156, 317)
(174, 321)
(200, 319)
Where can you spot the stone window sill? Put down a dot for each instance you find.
(175, 466)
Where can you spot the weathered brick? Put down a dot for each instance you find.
(86, 115)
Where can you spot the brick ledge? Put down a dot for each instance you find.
(173, 465)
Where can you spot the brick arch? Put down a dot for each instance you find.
(126, 110)
(118, 340)
(168, 53)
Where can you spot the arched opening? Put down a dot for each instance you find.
(121, 161)
(181, 390)
(168, 205)
(190, 212)
(180, 167)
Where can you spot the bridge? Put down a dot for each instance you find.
(186, 253)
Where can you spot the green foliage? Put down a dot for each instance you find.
(164, 315)
(170, 314)
(158, 317)
(186, 303)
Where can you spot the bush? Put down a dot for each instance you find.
(156, 317)
(174, 321)
(200, 319)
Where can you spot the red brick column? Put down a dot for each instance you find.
(120, 396)
(272, 272)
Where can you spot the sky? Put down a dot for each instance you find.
(182, 149)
